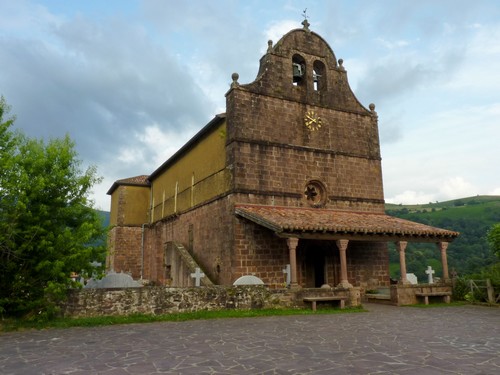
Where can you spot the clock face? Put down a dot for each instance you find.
(312, 121)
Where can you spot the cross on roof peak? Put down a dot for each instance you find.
(305, 23)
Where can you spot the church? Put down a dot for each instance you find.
(285, 186)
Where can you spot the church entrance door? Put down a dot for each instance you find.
(317, 263)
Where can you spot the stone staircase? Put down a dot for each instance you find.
(180, 265)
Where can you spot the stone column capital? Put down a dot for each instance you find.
(442, 245)
(292, 242)
(342, 244)
(401, 245)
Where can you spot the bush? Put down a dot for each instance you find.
(462, 290)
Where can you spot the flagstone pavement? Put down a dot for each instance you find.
(385, 340)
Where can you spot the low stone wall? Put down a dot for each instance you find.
(165, 300)
(406, 294)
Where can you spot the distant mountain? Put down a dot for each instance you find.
(472, 217)
(105, 216)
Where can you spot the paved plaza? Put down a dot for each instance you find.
(385, 340)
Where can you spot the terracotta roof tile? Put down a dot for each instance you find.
(293, 219)
(142, 180)
(137, 180)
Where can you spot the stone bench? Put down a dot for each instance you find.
(426, 295)
(314, 300)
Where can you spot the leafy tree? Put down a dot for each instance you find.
(48, 228)
(494, 238)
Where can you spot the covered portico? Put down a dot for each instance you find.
(345, 229)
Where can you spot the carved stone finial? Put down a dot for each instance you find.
(235, 77)
(269, 45)
(372, 107)
(305, 23)
(341, 66)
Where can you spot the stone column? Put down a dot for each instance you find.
(401, 247)
(443, 246)
(342, 245)
(292, 248)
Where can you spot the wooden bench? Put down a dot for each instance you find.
(314, 300)
(426, 296)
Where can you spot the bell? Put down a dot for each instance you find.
(297, 72)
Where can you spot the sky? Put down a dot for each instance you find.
(130, 81)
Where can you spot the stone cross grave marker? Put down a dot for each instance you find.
(412, 278)
(197, 275)
(429, 273)
(286, 271)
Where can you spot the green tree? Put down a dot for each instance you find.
(48, 227)
(494, 238)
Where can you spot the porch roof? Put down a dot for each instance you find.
(336, 224)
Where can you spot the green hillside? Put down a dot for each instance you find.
(472, 217)
(105, 218)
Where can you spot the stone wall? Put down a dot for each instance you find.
(406, 294)
(207, 234)
(277, 155)
(124, 250)
(165, 300)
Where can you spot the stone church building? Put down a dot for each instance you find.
(286, 185)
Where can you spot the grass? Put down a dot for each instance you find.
(8, 325)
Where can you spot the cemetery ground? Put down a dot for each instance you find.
(457, 339)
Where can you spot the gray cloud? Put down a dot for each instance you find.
(101, 83)
(105, 73)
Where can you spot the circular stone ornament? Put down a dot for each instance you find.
(315, 193)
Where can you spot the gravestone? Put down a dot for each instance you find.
(412, 278)
(113, 280)
(197, 275)
(248, 280)
(286, 271)
(429, 273)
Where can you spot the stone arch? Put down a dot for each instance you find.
(299, 70)
(319, 76)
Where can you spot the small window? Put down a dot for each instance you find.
(319, 76)
(298, 70)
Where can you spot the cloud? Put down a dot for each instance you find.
(130, 86)
(278, 29)
(444, 190)
(411, 197)
(495, 191)
(456, 187)
(392, 44)
(100, 82)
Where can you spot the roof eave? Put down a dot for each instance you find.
(187, 146)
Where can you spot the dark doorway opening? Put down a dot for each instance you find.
(317, 263)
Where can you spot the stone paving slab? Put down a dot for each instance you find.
(386, 340)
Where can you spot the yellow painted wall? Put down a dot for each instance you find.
(129, 205)
(197, 176)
